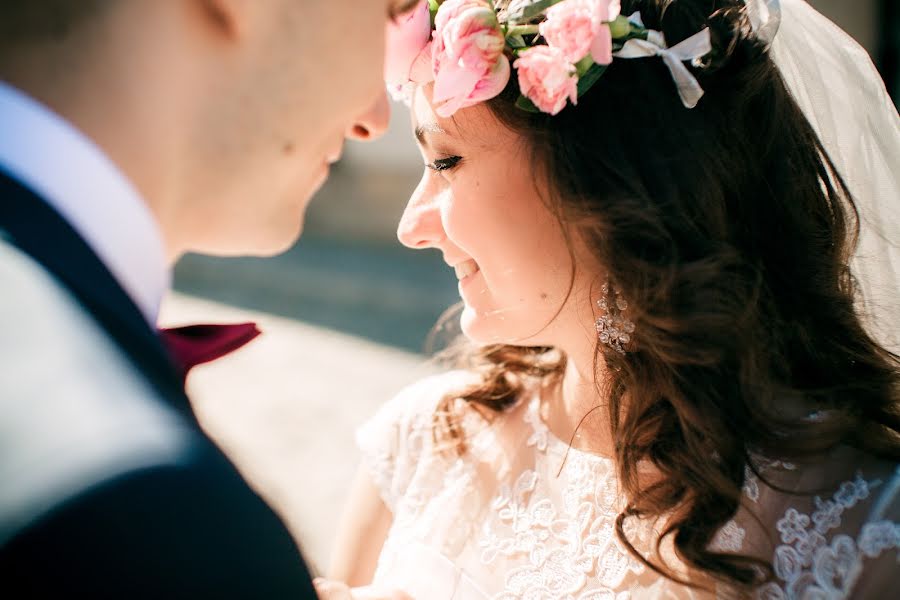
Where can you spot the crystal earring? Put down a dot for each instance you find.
(613, 329)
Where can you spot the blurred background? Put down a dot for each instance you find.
(346, 313)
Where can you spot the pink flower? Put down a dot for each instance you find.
(547, 78)
(578, 28)
(407, 47)
(467, 56)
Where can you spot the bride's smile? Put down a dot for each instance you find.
(480, 204)
(466, 269)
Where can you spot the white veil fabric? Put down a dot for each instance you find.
(843, 96)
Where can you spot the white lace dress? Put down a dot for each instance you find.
(511, 519)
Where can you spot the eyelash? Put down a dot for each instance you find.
(444, 164)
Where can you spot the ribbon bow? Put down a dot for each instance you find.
(193, 345)
(694, 47)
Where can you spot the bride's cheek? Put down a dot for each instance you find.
(463, 220)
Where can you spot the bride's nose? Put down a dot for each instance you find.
(372, 124)
(420, 226)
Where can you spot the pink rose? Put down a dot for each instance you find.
(547, 78)
(407, 55)
(467, 56)
(579, 28)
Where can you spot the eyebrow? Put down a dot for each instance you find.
(424, 128)
(402, 8)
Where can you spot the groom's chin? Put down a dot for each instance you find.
(274, 244)
(261, 243)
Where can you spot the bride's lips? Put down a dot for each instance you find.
(465, 271)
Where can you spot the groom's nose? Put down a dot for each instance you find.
(420, 226)
(372, 124)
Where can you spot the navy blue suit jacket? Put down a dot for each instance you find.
(188, 529)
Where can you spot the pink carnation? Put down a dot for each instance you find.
(467, 56)
(406, 47)
(547, 78)
(578, 28)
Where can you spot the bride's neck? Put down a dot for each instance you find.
(574, 408)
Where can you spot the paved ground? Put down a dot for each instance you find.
(285, 407)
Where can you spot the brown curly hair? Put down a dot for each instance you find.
(729, 231)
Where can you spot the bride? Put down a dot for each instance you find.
(673, 384)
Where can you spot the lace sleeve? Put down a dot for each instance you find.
(394, 439)
(879, 544)
(840, 545)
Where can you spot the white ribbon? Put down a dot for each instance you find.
(694, 47)
(765, 18)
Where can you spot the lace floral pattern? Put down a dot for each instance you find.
(730, 538)
(568, 552)
(537, 527)
(808, 564)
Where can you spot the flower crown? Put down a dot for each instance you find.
(558, 48)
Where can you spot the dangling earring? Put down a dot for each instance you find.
(613, 329)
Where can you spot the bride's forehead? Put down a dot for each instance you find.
(467, 122)
(421, 108)
(425, 119)
(422, 97)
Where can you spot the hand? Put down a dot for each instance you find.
(335, 590)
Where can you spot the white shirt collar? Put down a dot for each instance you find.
(71, 173)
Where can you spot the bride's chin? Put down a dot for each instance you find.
(478, 329)
(472, 325)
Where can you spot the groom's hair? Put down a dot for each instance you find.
(24, 22)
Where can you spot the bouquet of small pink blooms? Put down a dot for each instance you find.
(468, 48)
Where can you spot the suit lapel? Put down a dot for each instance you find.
(34, 227)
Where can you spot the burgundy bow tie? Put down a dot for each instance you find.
(194, 345)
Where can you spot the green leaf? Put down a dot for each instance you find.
(516, 41)
(592, 76)
(522, 30)
(522, 13)
(526, 105)
(620, 27)
(433, 6)
(636, 33)
(584, 65)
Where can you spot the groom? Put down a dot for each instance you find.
(131, 132)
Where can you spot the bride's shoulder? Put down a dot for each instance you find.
(405, 422)
(418, 401)
(397, 443)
